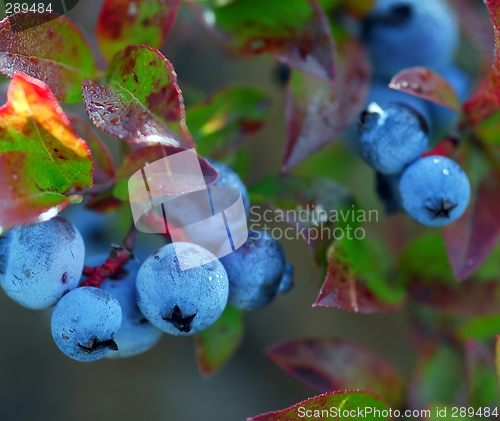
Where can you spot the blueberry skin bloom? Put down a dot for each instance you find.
(227, 177)
(182, 302)
(255, 271)
(434, 191)
(40, 263)
(392, 137)
(84, 323)
(136, 334)
(406, 33)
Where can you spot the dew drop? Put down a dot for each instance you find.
(15, 176)
(404, 84)
(446, 171)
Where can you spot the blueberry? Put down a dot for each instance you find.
(392, 137)
(182, 302)
(406, 33)
(383, 95)
(286, 283)
(136, 335)
(227, 177)
(84, 323)
(255, 271)
(40, 263)
(435, 191)
(444, 119)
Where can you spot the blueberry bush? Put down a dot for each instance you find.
(407, 90)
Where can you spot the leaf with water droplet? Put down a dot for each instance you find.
(126, 22)
(427, 84)
(54, 52)
(139, 100)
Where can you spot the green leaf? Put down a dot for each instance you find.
(224, 122)
(54, 52)
(215, 345)
(439, 376)
(125, 22)
(481, 327)
(332, 406)
(481, 378)
(298, 34)
(139, 100)
(21, 199)
(32, 121)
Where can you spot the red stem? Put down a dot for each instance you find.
(118, 257)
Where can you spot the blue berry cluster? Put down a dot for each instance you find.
(395, 129)
(41, 266)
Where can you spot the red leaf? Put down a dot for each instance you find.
(54, 52)
(486, 100)
(140, 101)
(21, 200)
(299, 36)
(125, 22)
(341, 289)
(470, 298)
(338, 405)
(470, 239)
(427, 84)
(328, 365)
(317, 112)
(104, 168)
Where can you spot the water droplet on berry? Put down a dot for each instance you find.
(446, 171)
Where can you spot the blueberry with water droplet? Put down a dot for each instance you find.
(182, 302)
(434, 191)
(392, 137)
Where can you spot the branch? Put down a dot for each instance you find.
(119, 256)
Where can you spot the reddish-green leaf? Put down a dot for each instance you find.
(104, 167)
(54, 52)
(136, 160)
(486, 100)
(33, 121)
(468, 298)
(426, 84)
(338, 405)
(471, 239)
(22, 201)
(226, 121)
(317, 112)
(220, 341)
(125, 22)
(481, 376)
(357, 281)
(139, 100)
(329, 365)
(297, 34)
